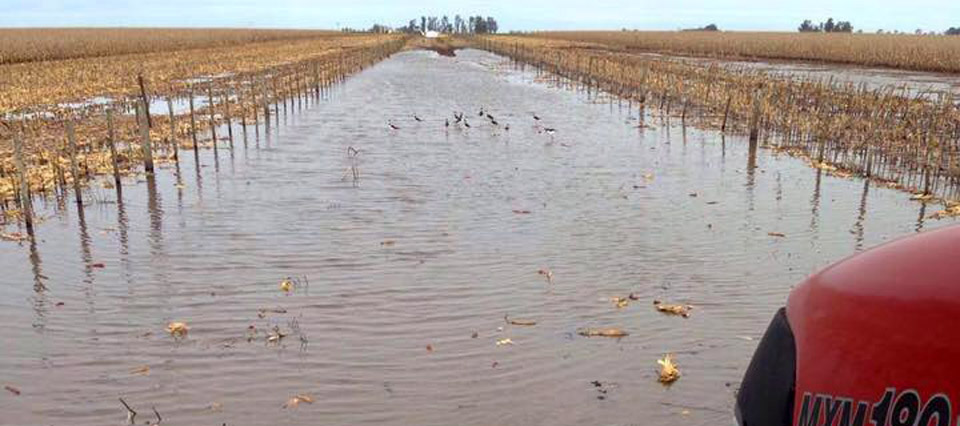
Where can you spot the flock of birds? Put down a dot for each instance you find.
(459, 119)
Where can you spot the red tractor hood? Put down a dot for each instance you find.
(878, 336)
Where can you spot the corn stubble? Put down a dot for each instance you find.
(244, 79)
(900, 140)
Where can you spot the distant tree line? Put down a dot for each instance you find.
(472, 25)
(826, 27)
(953, 31)
(710, 27)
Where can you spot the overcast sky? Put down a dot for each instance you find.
(512, 15)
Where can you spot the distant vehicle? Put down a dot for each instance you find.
(870, 340)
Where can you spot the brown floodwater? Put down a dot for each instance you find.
(426, 248)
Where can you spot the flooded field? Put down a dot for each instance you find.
(914, 83)
(405, 258)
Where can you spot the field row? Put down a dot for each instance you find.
(907, 142)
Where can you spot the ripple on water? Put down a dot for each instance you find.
(441, 237)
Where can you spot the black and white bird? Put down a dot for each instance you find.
(466, 124)
(535, 117)
(417, 118)
(481, 112)
(393, 126)
(506, 128)
(494, 122)
(446, 122)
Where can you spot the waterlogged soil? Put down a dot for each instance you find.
(400, 279)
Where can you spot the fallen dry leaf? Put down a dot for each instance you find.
(602, 332)
(667, 308)
(286, 285)
(951, 211)
(620, 302)
(275, 337)
(668, 370)
(388, 243)
(429, 348)
(503, 342)
(98, 265)
(178, 329)
(142, 370)
(521, 211)
(296, 400)
(13, 236)
(777, 234)
(520, 322)
(12, 390)
(546, 273)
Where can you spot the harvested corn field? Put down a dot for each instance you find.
(187, 93)
(19, 45)
(912, 52)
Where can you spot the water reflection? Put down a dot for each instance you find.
(122, 226)
(861, 217)
(751, 175)
(921, 217)
(199, 181)
(751, 164)
(86, 256)
(155, 209)
(39, 288)
(815, 203)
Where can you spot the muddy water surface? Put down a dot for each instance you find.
(442, 235)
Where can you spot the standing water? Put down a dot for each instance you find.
(406, 257)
